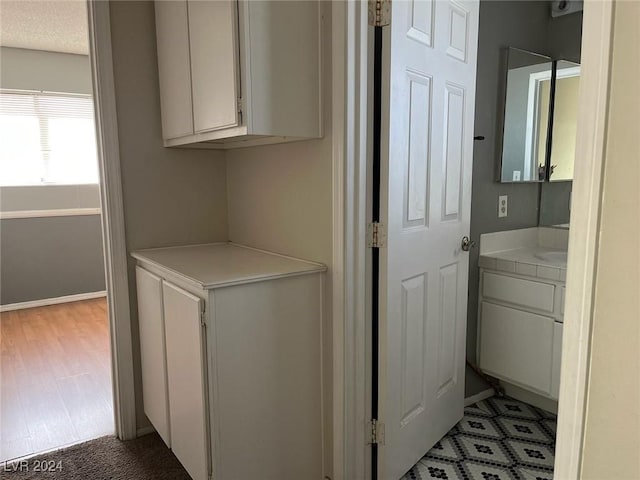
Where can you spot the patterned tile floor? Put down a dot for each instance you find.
(498, 439)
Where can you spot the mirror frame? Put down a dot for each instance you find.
(552, 105)
(502, 95)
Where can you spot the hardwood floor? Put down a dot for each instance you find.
(55, 377)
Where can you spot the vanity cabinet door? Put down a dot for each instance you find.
(186, 380)
(517, 346)
(557, 359)
(152, 352)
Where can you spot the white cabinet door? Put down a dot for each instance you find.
(214, 64)
(152, 352)
(516, 346)
(174, 69)
(186, 380)
(557, 360)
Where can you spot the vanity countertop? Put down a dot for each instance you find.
(541, 262)
(218, 265)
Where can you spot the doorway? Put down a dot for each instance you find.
(56, 347)
(540, 413)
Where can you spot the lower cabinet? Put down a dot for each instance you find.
(520, 331)
(172, 348)
(232, 373)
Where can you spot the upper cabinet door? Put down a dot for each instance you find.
(174, 69)
(214, 64)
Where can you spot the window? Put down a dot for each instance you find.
(47, 138)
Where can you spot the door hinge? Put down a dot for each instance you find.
(376, 235)
(376, 433)
(240, 108)
(379, 13)
(203, 315)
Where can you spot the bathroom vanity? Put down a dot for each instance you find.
(230, 341)
(521, 309)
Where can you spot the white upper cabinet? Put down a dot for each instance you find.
(237, 73)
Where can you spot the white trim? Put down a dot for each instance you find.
(533, 123)
(351, 385)
(583, 236)
(57, 212)
(52, 301)
(478, 397)
(115, 250)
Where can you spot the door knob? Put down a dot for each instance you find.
(467, 244)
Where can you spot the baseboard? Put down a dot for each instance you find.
(52, 301)
(483, 395)
(531, 398)
(141, 432)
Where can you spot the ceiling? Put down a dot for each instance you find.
(52, 25)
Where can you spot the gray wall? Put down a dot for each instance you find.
(53, 256)
(529, 26)
(171, 196)
(50, 257)
(502, 24)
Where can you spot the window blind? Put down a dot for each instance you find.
(46, 138)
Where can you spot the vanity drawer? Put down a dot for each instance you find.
(518, 291)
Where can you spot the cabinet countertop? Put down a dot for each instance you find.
(541, 262)
(216, 265)
(531, 255)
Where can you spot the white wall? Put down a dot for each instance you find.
(280, 199)
(612, 433)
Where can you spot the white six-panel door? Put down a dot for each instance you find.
(429, 71)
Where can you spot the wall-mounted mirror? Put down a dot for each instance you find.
(565, 118)
(526, 116)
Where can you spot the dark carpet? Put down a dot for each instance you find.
(106, 458)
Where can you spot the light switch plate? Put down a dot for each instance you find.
(503, 203)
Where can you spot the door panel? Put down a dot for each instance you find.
(429, 69)
(214, 64)
(174, 68)
(517, 346)
(186, 380)
(417, 189)
(152, 352)
(414, 297)
(453, 149)
(447, 323)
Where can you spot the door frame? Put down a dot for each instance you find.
(352, 56)
(113, 225)
(593, 105)
(352, 64)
